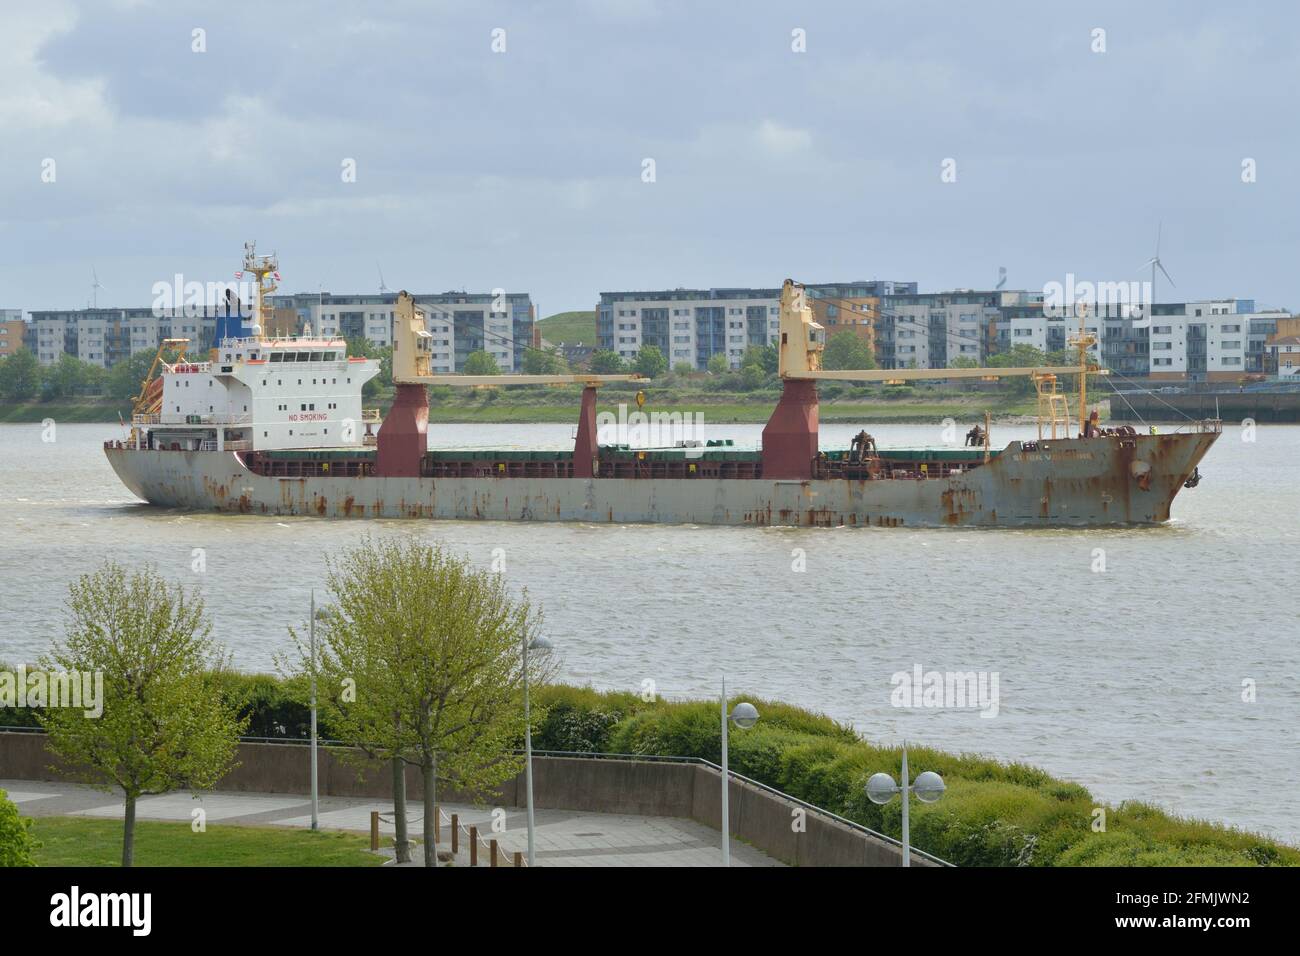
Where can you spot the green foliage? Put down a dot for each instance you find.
(544, 362)
(650, 362)
(17, 845)
(481, 363)
(163, 724)
(69, 377)
(764, 356)
(845, 350)
(718, 364)
(20, 376)
(607, 362)
(1018, 356)
(570, 328)
(683, 369)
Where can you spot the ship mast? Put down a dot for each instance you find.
(1083, 341)
(267, 271)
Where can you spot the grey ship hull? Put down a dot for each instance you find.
(1069, 482)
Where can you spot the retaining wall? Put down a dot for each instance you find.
(778, 826)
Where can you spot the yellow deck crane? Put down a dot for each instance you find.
(402, 437)
(790, 437)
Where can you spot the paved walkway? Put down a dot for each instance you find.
(563, 837)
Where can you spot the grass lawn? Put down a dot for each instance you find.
(570, 327)
(79, 841)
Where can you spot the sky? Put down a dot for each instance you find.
(505, 145)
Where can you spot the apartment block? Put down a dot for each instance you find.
(693, 325)
(13, 331)
(498, 323)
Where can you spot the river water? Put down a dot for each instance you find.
(1128, 680)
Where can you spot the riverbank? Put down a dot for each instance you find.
(476, 408)
(992, 814)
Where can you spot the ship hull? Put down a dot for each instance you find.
(1070, 482)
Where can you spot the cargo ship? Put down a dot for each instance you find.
(274, 425)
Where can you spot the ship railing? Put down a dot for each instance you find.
(240, 445)
(146, 419)
(370, 439)
(370, 416)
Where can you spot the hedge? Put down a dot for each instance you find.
(993, 813)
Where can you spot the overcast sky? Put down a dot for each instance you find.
(523, 169)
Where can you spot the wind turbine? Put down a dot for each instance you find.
(1155, 263)
(383, 289)
(95, 286)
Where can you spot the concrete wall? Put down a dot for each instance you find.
(778, 826)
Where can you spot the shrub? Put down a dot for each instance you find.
(17, 845)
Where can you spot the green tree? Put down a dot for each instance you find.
(68, 377)
(683, 368)
(752, 376)
(481, 363)
(718, 364)
(163, 725)
(764, 356)
(1018, 356)
(544, 362)
(845, 350)
(20, 376)
(124, 379)
(420, 662)
(963, 361)
(607, 362)
(650, 362)
(17, 845)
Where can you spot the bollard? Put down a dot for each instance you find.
(374, 831)
(455, 833)
(492, 853)
(519, 858)
(473, 846)
(437, 824)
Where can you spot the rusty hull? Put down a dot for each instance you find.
(1071, 482)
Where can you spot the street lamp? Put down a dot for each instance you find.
(317, 614)
(538, 643)
(928, 787)
(744, 715)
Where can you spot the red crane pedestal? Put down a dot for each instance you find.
(584, 448)
(790, 435)
(403, 437)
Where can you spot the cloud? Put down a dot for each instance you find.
(782, 140)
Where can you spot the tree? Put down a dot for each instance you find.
(481, 363)
(17, 845)
(607, 362)
(419, 659)
(845, 350)
(650, 362)
(69, 376)
(1019, 356)
(683, 368)
(764, 356)
(963, 361)
(123, 379)
(163, 725)
(20, 376)
(544, 362)
(718, 364)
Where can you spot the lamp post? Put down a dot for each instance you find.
(745, 715)
(538, 644)
(928, 787)
(316, 615)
